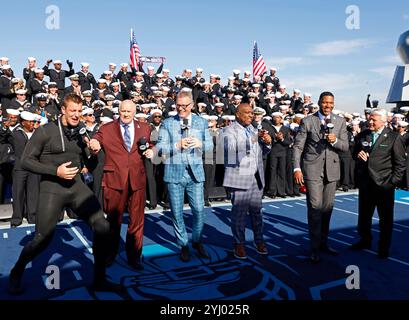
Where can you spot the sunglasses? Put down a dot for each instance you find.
(157, 116)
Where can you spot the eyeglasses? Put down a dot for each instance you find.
(183, 106)
(157, 117)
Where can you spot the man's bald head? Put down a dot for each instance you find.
(245, 114)
(127, 110)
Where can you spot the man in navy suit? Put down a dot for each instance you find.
(182, 141)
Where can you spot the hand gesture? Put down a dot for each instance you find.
(299, 178)
(64, 172)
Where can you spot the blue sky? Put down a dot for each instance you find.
(307, 40)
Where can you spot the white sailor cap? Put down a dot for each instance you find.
(5, 67)
(137, 85)
(101, 81)
(141, 115)
(294, 125)
(205, 116)
(146, 106)
(106, 119)
(166, 70)
(201, 104)
(139, 73)
(25, 115)
(398, 115)
(297, 91)
(154, 88)
(199, 70)
(259, 111)
(212, 118)
(52, 84)
(153, 105)
(159, 75)
(356, 114)
(307, 94)
(229, 117)
(151, 68)
(277, 114)
(57, 61)
(405, 109)
(115, 84)
(109, 97)
(74, 77)
(270, 95)
(247, 72)
(246, 80)
(31, 59)
(87, 111)
(172, 113)
(112, 64)
(38, 70)
(299, 115)
(231, 78)
(4, 59)
(165, 88)
(356, 122)
(284, 107)
(269, 84)
(107, 72)
(85, 64)
(238, 97)
(267, 118)
(236, 71)
(219, 104)
(403, 124)
(21, 91)
(13, 112)
(286, 104)
(153, 111)
(251, 95)
(315, 106)
(283, 86)
(256, 85)
(273, 69)
(41, 96)
(87, 93)
(124, 64)
(188, 70)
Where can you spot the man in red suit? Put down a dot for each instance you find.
(124, 179)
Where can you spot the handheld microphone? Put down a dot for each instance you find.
(329, 126)
(366, 144)
(143, 144)
(84, 132)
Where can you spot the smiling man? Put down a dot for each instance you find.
(316, 164)
(55, 151)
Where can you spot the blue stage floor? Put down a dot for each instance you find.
(285, 273)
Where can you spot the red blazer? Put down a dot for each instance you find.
(119, 163)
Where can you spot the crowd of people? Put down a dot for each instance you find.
(138, 139)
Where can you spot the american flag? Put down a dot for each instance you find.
(135, 53)
(259, 67)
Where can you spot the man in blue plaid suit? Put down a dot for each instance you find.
(182, 140)
(244, 148)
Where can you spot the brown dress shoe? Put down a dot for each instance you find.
(261, 248)
(240, 251)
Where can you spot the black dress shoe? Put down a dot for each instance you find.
(329, 250)
(360, 245)
(207, 203)
(314, 258)
(14, 285)
(200, 250)
(184, 254)
(108, 286)
(150, 206)
(383, 253)
(165, 206)
(137, 265)
(15, 225)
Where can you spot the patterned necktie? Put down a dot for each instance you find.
(127, 137)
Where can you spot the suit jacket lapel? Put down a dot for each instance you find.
(317, 123)
(382, 137)
(136, 127)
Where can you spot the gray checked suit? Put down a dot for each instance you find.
(244, 177)
(320, 165)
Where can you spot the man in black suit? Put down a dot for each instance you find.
(380, 155)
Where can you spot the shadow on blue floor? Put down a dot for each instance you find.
(285, 273)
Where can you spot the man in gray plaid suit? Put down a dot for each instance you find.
(316, 163)
(244, 176)
(182, 140)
